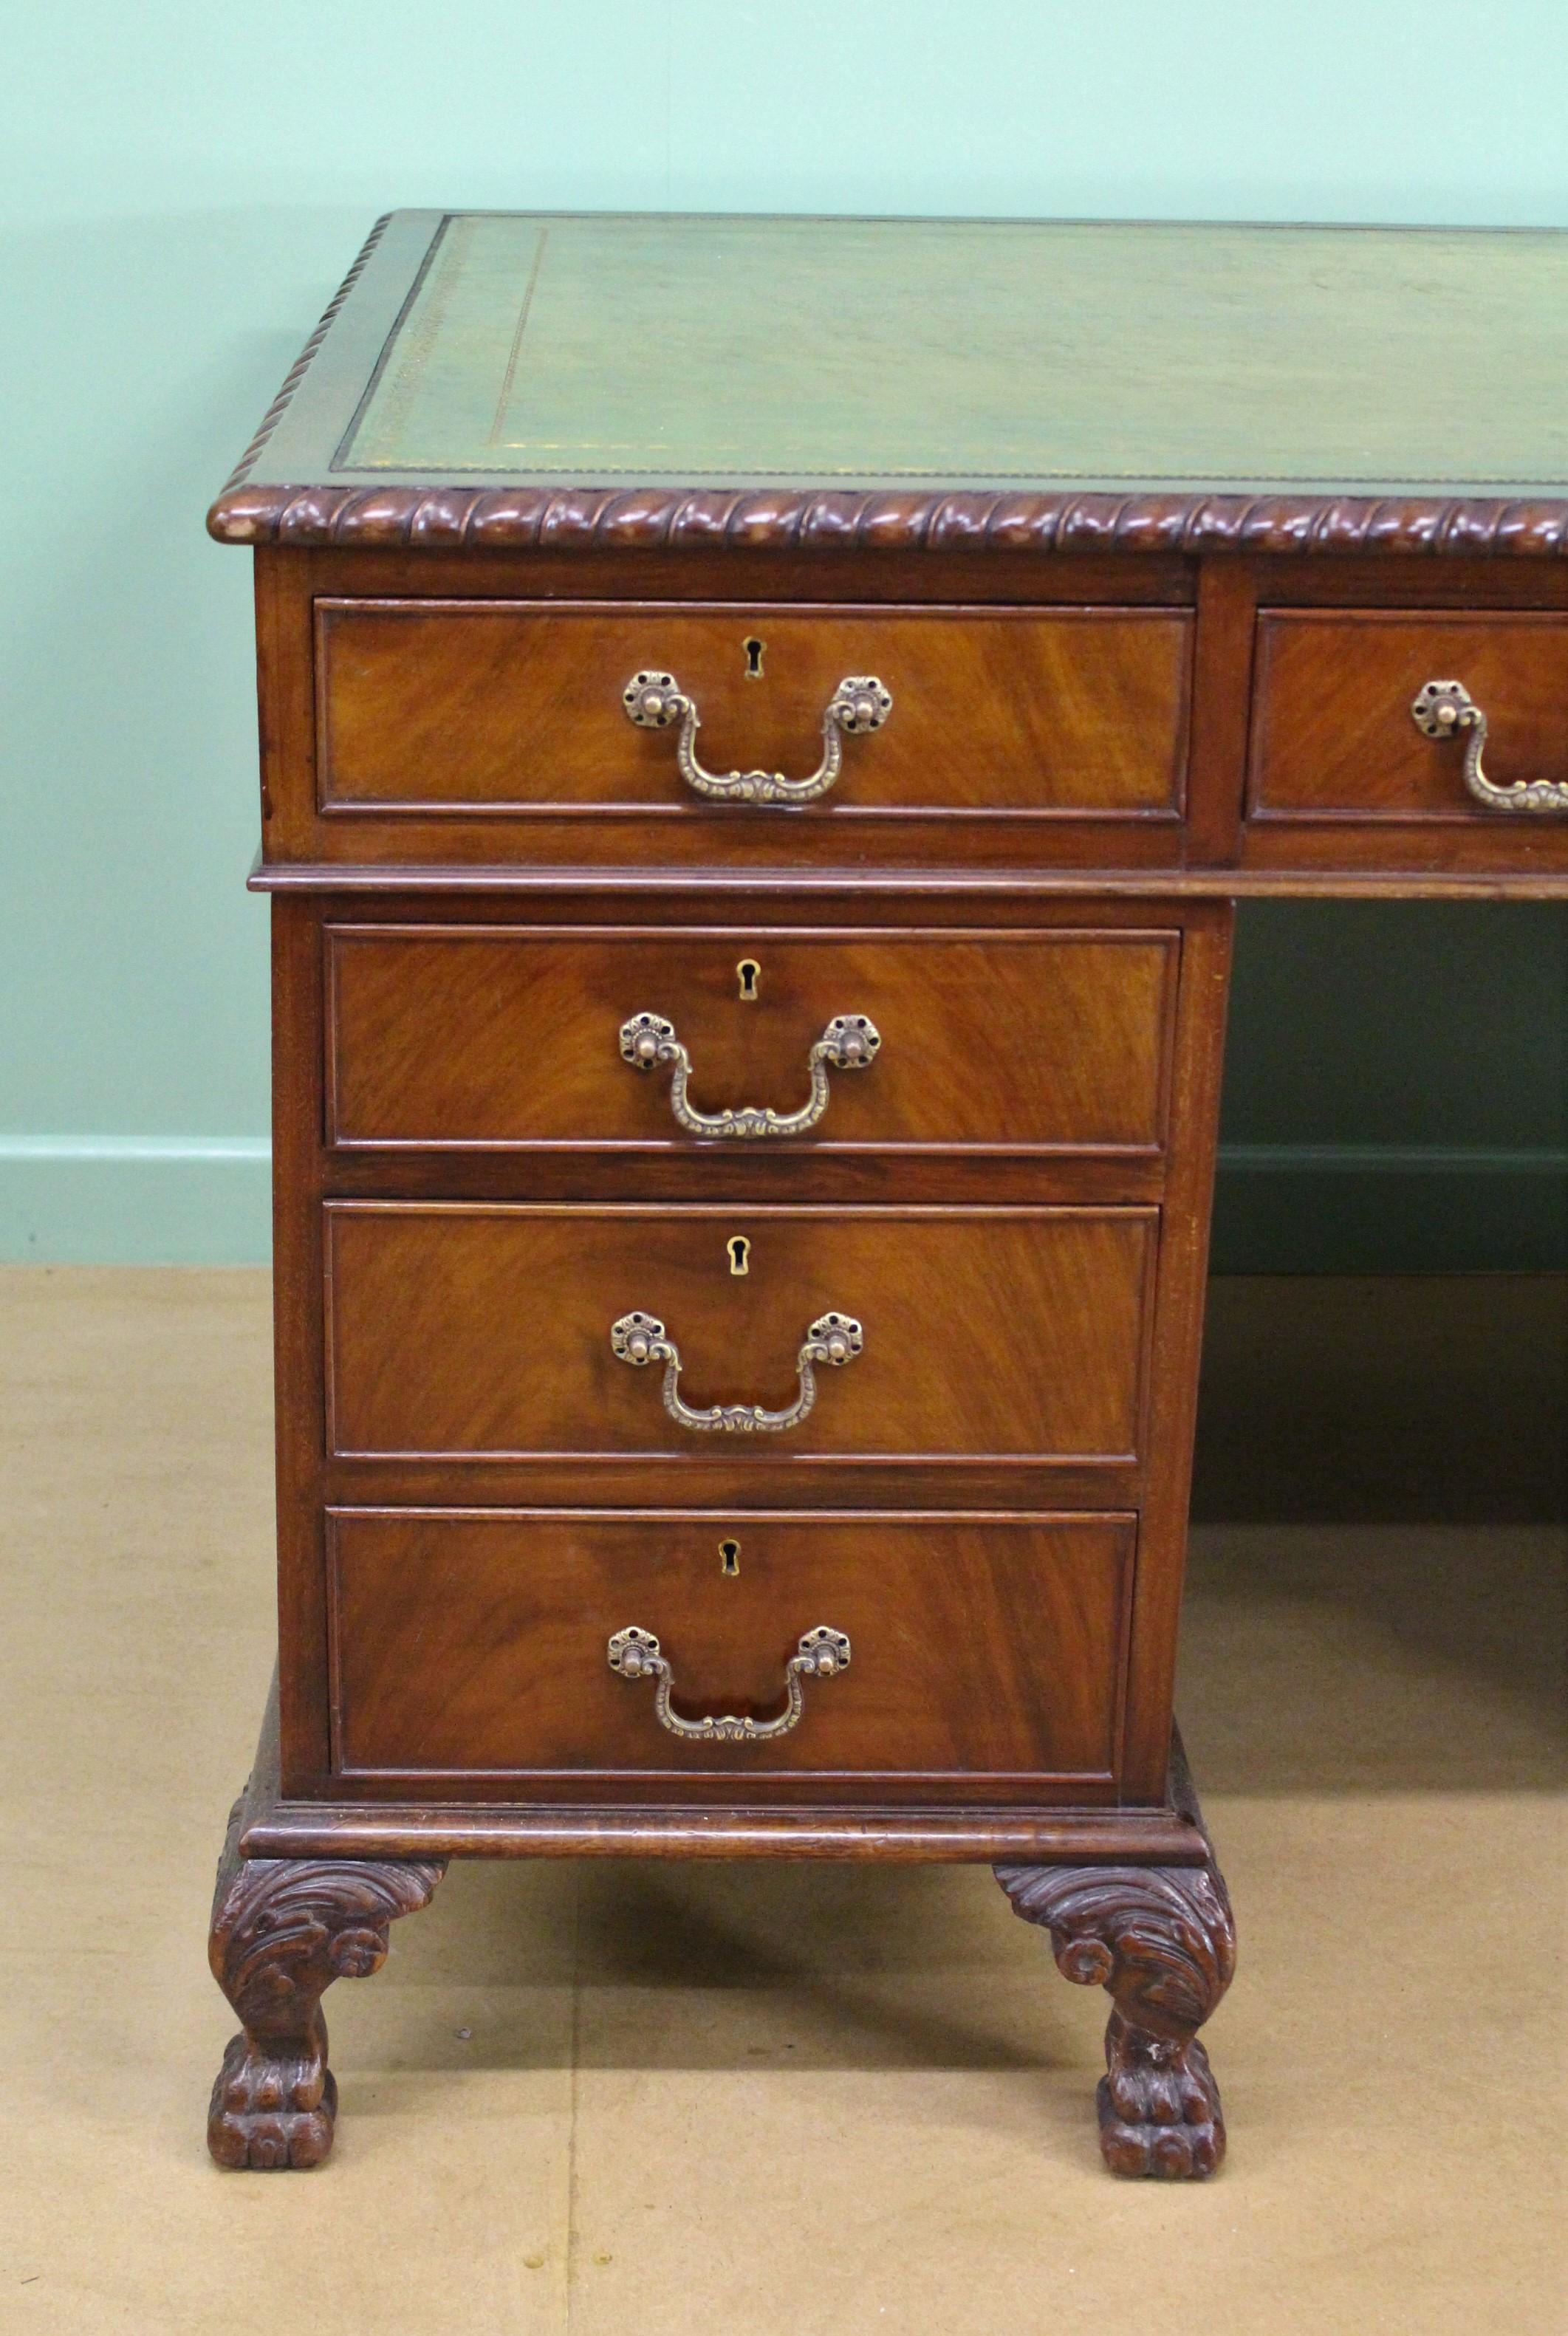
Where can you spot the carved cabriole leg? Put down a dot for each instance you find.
(1161, 1940)
(283, 1929)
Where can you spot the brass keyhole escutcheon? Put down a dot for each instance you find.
(754, 657)
(729, 1557)
(739, 1249)
(748, 973)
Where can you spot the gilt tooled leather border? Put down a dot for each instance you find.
(807, 520)
(291, 380)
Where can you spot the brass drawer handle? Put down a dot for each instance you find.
(822, 1653)
(1443, 707)
(860, 704)
(848, 1043)
(833, 1339)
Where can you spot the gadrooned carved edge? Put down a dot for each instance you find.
(800, 520)
(283, 1929)
(1161, 1941)
(297, 371)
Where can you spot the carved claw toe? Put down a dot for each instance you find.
(1159, 2106)
(269, 2113)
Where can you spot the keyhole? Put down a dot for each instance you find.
(729, 1556)
(753, 656)
(739, 1254)
(749, 973)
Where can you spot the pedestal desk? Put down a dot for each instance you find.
(764, 723)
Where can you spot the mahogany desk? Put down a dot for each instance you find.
(764, 723)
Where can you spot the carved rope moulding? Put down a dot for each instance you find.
(601, 519)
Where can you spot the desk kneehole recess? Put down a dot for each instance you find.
(752, 908)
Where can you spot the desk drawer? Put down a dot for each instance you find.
(1334, 737)
(513, 710)
(463, 1331)
(490, 1035)
(990, 1647)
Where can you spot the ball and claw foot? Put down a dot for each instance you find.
(283, 1929)
(1159, 2106)
(267, 2111)
(1161, 1941)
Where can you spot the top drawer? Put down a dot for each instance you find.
(1448, 731)
(508, 715)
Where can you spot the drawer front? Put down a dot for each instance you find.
(467, 1331)
(1334, 736)
(513, 709)
(990, 1647)
(470, 1036)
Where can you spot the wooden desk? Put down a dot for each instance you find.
(764, 723)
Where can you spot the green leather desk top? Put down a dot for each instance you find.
(481, 350)
(808, 349)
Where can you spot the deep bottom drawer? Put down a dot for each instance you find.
(984, 1646)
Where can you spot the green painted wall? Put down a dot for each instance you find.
(181, 186)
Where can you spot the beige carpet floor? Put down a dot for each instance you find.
(789, 2100)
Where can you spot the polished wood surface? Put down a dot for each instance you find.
(924, 827)
(379, 1817)
(472, 1034)
(516, 708)
(1077, 849)
(1181, 1290)
(1333, 735)
(726, 1468)
(985, 1648)
(460, 1331)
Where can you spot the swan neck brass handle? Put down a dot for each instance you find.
(850, 1043)
(640, 1339)
(1441, 709)
(859, 704)
(821, 1653)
